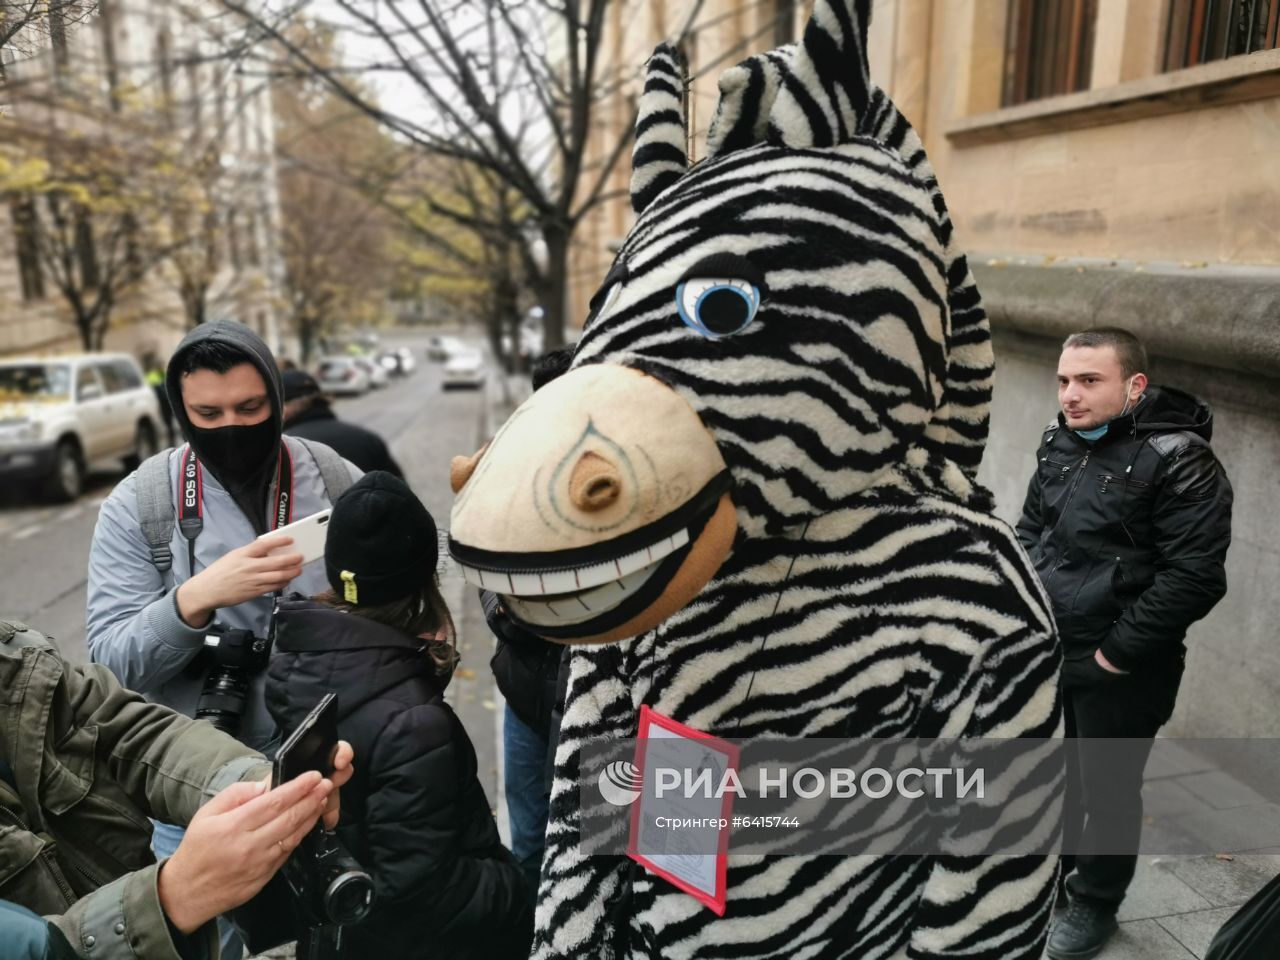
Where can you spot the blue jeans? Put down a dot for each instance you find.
(25, 936)
(525, 761)
(165, 838)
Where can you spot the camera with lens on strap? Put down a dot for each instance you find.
(233, 656)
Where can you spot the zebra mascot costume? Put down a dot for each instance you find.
(750, 505)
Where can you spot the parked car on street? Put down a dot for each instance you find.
(60, 416)
(442, 348)
(397, 363)
(342, 376)
(378, 376)
(464, 369)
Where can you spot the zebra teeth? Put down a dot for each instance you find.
(595, 579)
(579, 607)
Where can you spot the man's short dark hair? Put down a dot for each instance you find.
(551, 365)
(210, 355)
(1129, 349)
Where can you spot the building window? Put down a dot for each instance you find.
(58, 39)
(193, 85)
(26, 235)
(1199, 31)
(1048, 48)
(253, 255)
(132, 248)
(164, 69)
(233, 240)
(243, 108)
(211, 257)
(106, 24)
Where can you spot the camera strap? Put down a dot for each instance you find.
(191, 498)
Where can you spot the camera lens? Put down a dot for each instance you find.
(222, 699)
(349, 897)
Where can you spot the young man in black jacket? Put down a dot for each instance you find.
(1127, 520)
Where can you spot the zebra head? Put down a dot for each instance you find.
(787, 322)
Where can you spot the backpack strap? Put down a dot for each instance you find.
(156, 514)
(333, 469)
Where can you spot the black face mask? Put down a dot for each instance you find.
(237, 455)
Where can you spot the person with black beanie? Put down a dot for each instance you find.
(414, 814)
(152, 605)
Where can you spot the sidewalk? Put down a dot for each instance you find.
(1177, 903)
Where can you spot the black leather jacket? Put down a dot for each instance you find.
(1129, 533)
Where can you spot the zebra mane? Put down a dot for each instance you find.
(825, 92)
(811, 94)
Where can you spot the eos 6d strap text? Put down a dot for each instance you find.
(191, 498)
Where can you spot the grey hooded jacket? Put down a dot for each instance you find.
(133, 624)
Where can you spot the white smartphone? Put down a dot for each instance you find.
(308, 536)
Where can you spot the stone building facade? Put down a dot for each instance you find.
(150, 54)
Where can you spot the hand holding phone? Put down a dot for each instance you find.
(308, 535)
(312, 746)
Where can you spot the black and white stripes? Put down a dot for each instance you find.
(869, 592)
(659, 158)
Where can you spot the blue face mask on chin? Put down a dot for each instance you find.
(1097, 433)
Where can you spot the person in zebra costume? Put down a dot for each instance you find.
(751, 505)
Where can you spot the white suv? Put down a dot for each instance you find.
(59, 415)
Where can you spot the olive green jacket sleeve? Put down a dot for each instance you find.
(167, 763)
(95, 733)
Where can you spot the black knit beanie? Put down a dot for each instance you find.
(381, 545)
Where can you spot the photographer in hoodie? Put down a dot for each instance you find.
(1127, 520)
(148, 615)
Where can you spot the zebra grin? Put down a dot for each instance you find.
(595, 598)
(594, 525)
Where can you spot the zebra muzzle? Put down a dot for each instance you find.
(600, 508)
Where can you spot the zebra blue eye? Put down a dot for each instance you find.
(717, 307)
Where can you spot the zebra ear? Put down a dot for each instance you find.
(747, 92)
(829, 85)
(660, 157)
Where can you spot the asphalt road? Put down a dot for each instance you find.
(44, 549)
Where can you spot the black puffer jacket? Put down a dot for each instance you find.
(525, 667)
(1129, 533)
(414, 813)
(364, 448)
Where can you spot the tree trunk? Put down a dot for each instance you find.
(99, 332)
(306, 340)
(553, 292)
(84, 326)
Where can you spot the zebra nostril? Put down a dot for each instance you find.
(461, 469)
(594, 483)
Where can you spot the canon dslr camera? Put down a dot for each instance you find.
(233, 656)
